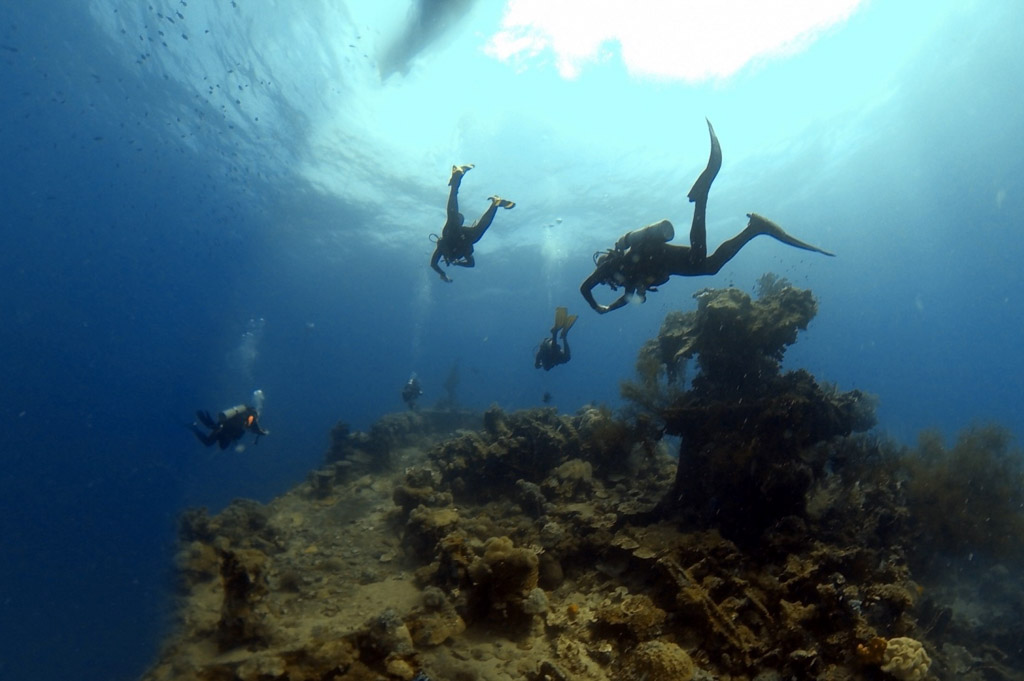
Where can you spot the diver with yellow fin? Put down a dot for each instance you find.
(549, 353)
(643, 259)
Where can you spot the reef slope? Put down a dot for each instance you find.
(775, 543)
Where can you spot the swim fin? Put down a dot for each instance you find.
(458, 172)
(569, 321)
(763, 225)
(205, 418)
(559, 319)
(702, 186)
(503, 203)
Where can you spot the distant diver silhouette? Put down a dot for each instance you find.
(643, 259)
(455, 244)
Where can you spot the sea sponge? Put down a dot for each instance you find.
(659, 661)
(905, 659)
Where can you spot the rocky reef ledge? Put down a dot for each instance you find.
(776, 541)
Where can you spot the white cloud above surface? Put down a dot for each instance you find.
(666, 39)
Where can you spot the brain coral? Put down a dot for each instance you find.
(905, 659)
(659, 661)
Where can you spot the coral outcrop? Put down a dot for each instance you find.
(747, 429)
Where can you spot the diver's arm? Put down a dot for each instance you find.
(434, 260)
(587, 289)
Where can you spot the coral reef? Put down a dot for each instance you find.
(548, 546)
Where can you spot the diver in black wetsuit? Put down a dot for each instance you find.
(231, 425)
(411, 391)
(455, 244)
(549, 354)
(643, 259)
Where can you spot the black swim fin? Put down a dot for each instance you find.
(702, 186)
(763, 225)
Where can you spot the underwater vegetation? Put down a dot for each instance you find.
(782, 540)
(968, 498)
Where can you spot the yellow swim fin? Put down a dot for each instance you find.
(559, 318)
(569, 321)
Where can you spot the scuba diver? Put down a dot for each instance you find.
(230, 425)
(643, 259)
(549, 354)
(411, 391)
(455, 244)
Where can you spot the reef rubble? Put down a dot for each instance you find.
(778, 541)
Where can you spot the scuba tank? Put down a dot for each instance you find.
(231, 413)
(659, 231)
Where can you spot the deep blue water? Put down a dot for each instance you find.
(145, 230)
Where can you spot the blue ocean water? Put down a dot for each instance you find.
(200, 199)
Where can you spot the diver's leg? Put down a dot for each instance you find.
(474, 233)
(205, 418)
(699, 231)
(724, 253)
(205, 438)
(227, 436)
(757, 226)
(453, 195)
(699, 197)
